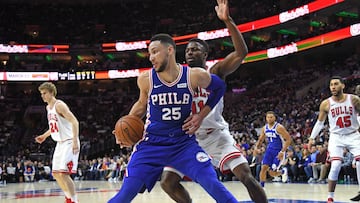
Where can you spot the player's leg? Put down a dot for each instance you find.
(130, 188)
(335, 149)
(263, 174)
(354, 148)
(357, 164)
(170, 183)
(267, 161)
(195, 163)
(62, 166)
(207, 178)
(243, 173)
(143, 170)
(67, 185)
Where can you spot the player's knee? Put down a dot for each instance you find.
(169, 181)
(243, 173)
(334, 170)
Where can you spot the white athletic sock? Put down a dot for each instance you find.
(74, 199)
(67, 195)
(331, 195)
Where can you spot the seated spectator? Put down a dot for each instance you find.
(19, 172)
(93, 173)
(314, 152)
(29, 171)
(304, 164)
(291, 163)
(254, 161)
(10, 170)
(2, 180)
(346, 171)
(320, 164)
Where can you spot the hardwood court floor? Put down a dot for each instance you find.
(101, 191)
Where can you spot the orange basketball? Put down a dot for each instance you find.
(129, 130)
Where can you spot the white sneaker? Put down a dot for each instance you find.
(284, 176)
(276, 179)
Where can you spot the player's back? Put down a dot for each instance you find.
(169, 104)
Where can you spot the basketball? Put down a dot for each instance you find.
(128, 130)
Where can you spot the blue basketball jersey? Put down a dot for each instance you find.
(275, 140)
(169, 104)
(166, 144)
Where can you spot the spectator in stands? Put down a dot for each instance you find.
(320, 164)
(291, 163)
(29, 171)
(254, 161)
(10, 170)
(346, 166)
(19, 172)
(304, 164)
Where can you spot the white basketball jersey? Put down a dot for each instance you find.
(60, 128)
(214, 119)
(342, 116)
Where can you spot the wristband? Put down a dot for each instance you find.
(317, 128)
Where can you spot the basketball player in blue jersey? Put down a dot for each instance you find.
(341, 110)
(64, 129)
(278, 140)
(214, 135)
(166, 93)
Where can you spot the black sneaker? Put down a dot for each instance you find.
(356, 198)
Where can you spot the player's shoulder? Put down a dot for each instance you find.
(197, 70)
(59, 102)
(279, 125)
(145, 73)
(325, 101)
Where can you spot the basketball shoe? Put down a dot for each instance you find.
(330, 200)
(356, 198)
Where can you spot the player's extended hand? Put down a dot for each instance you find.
(281, 155)
(310, 143)
(40, 139)
(222, 10)
(191, 124)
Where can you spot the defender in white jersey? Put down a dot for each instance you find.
(64, 129)
(213, 134)
(341, 110)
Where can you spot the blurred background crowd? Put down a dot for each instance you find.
(292, 86)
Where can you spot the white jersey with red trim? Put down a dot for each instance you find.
(214, 120)
(60, 128)
(342, 116)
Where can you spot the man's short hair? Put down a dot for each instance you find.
(202, 42)
(164, 39)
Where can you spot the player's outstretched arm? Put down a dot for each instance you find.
(41, 138)
(234, 59)
(217, 87)
(323, 111)
(139, 107)
(286, 136)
